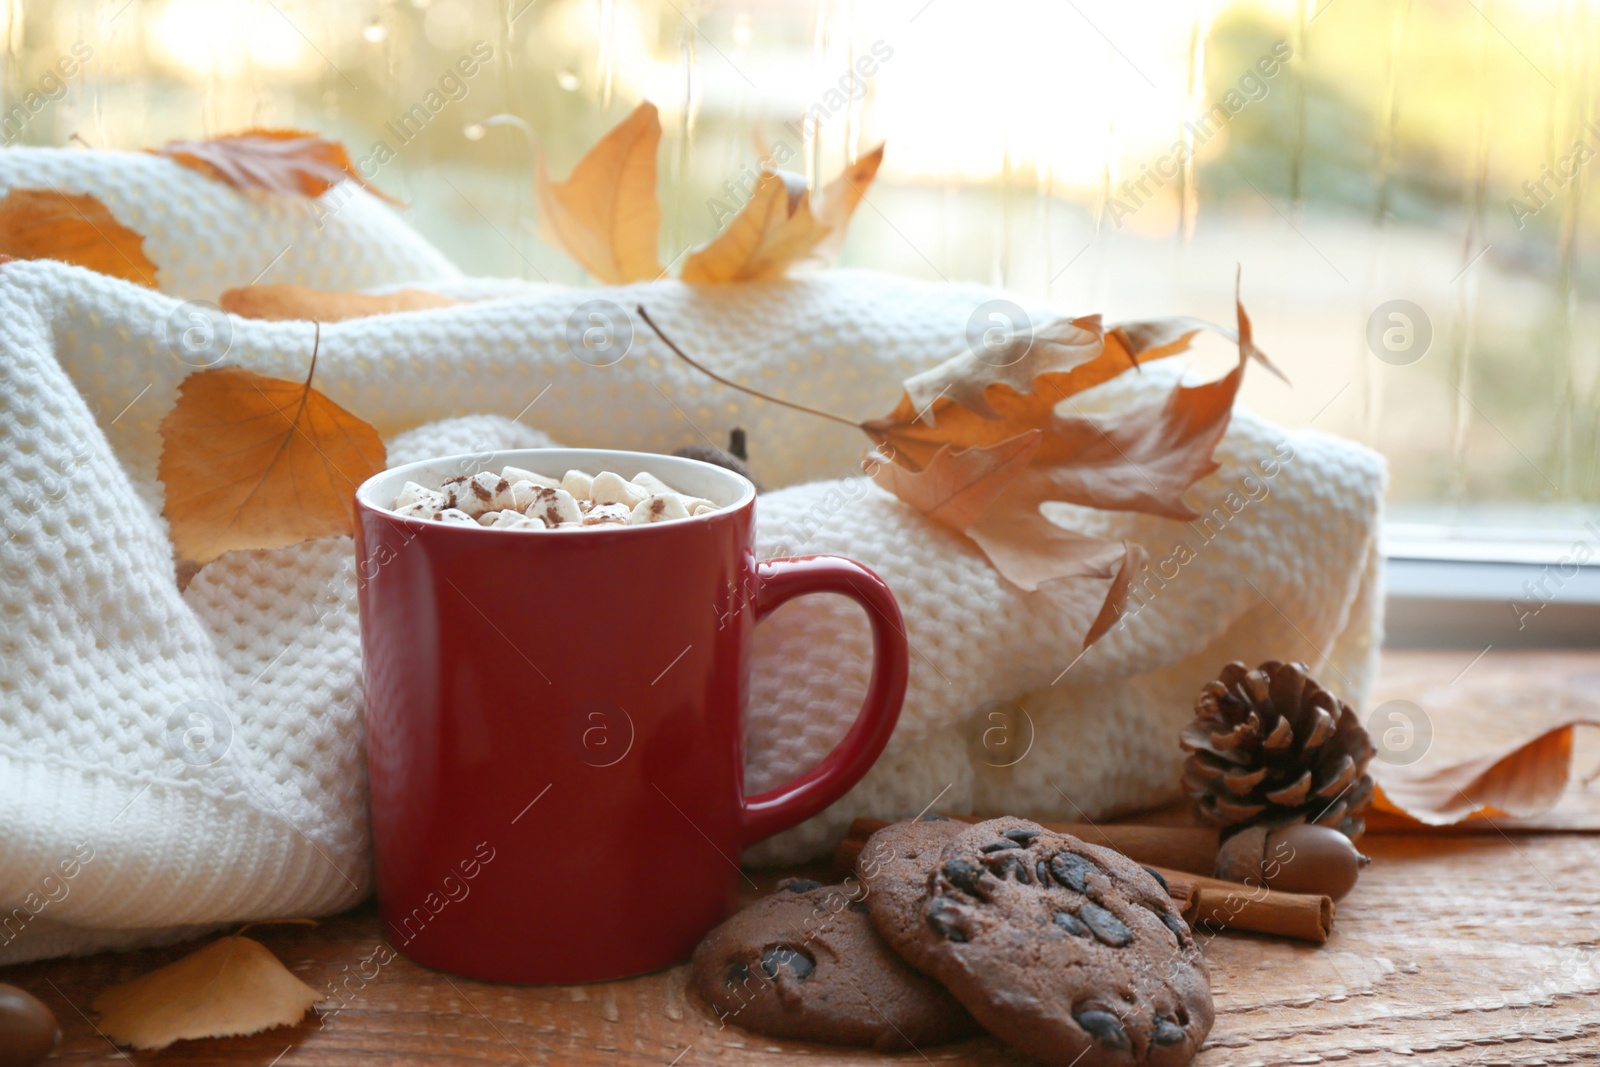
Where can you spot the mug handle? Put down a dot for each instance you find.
(781, 580)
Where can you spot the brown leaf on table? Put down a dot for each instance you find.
(276, 303)
(1522, 779)
(605, 215)
(286, 162)
(76, 229)
(232, 987)
(255, 462)
(774, 229)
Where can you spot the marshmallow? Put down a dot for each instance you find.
(475, 495)
(555, 507)
(410, 493)
(517, 474)
(511, 520)
(520, 495)
(520, 499)
(579, 484)
(659, 508)
(422, 504)
(606, 515)
(651, 484)
(610, 488)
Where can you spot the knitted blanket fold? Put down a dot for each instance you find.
(171, 760)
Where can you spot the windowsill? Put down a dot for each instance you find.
(1472, 588)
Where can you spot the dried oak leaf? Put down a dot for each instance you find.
(232, 987)
(276, 303)
(972, 411)
(605, 215)
(1522, 779)
(287, 162)
(72, 228)
(255, 462)
(779, 226)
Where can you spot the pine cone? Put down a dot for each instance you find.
(1272, 747)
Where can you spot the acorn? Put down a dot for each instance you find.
(28, 1029)
(1299, 858)
(733, 459)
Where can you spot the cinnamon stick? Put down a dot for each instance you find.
(1202, 900)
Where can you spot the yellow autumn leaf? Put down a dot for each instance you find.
(232, 987)
(774, 229)
(605, 215)
(76, 229)
(275, 303)
(250, 461)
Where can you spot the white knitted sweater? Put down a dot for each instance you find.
(110, 836)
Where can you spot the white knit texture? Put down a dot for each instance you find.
(207, 746)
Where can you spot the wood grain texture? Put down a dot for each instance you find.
(1453, 950)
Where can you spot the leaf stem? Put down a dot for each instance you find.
(714, 376)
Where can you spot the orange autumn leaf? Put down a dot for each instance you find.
(286, 162)
(605, 215)
(76, 229)
(255, 462)
(275, 303)
(1521, 779)
(780, 226)
(231, 987)
(960, 484)
(774, 229)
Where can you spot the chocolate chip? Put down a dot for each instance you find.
(798, 962)
(858, 906)
(1042, 870)
(964, 875)
(1104, 1028)
(1175, 924)
(1023, 835)
(1069, 922)
(1002, 843)
(935, 818)
(738, 974)
(1152, 872)
(798, 885)
(1072, 870)
(1105, 926)
(945, 919)
(1169, 1032)
(1010, 865)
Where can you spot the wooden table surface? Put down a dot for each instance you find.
(1463, 949)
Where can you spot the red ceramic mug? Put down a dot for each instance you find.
(554, 721)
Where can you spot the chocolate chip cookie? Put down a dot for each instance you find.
(895, 862)
(1070, 951)
(806, 963)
